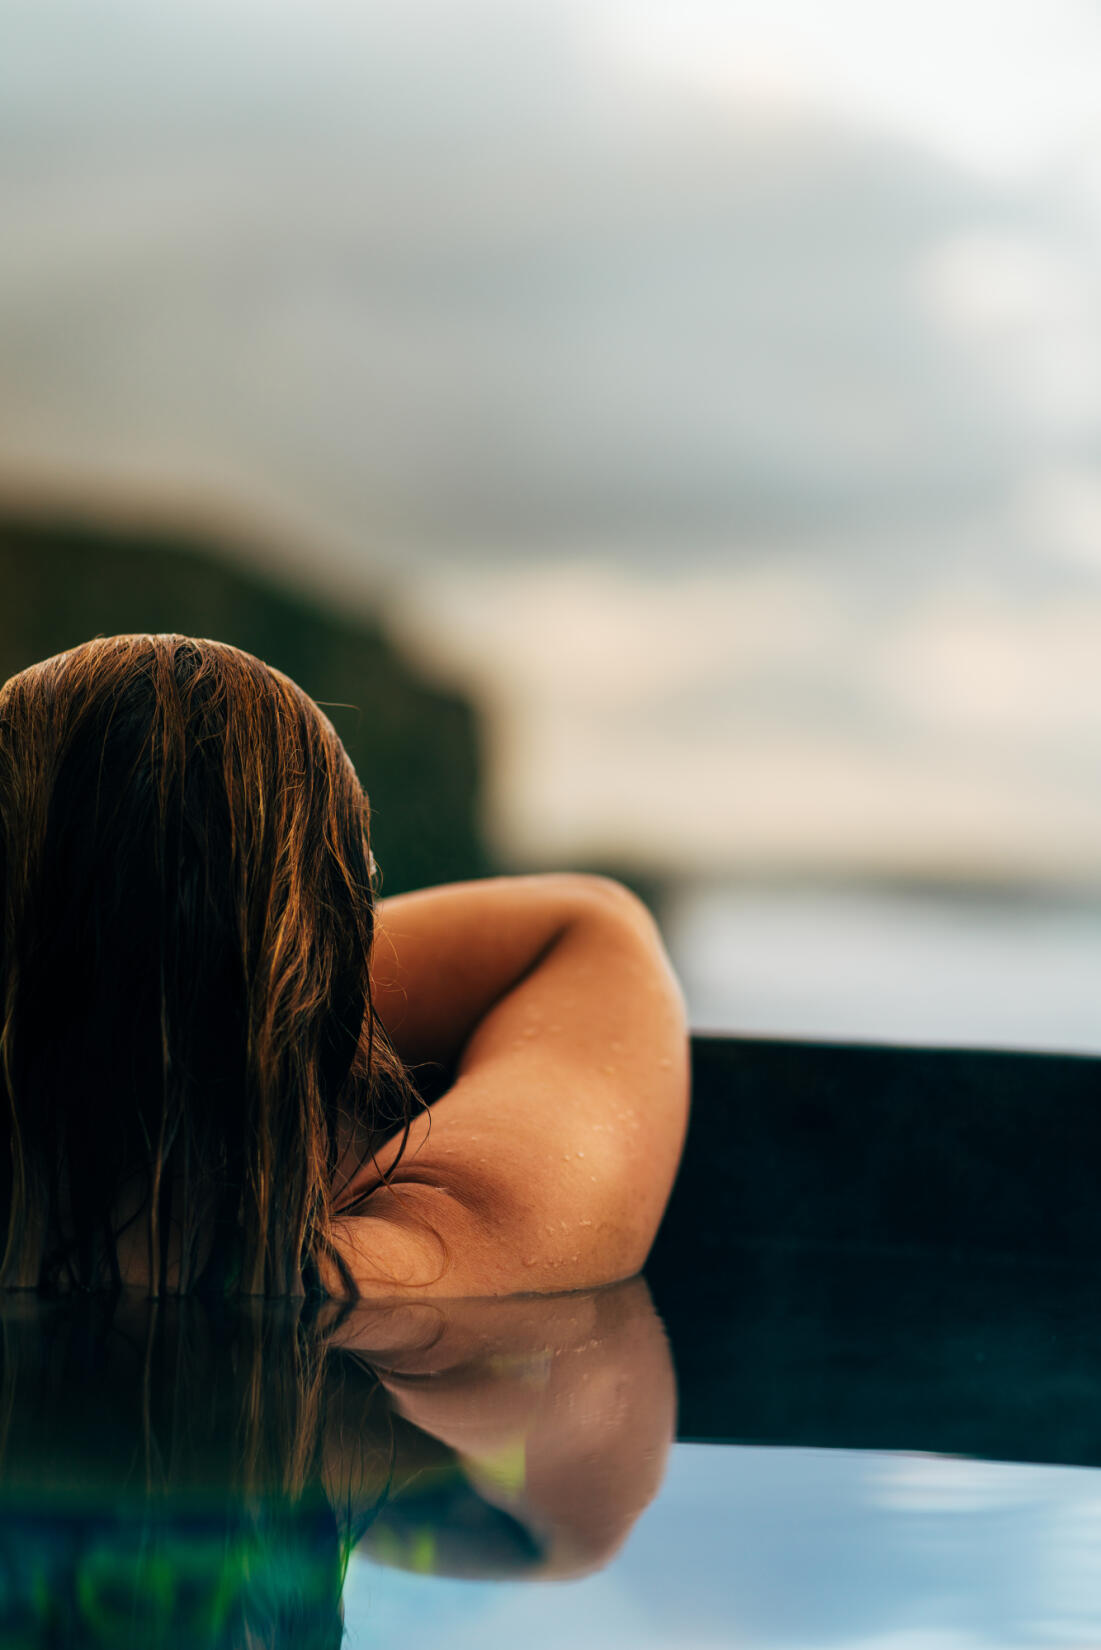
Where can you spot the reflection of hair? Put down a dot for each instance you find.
(162, 1476)
(194, 1474)
(186, 1034)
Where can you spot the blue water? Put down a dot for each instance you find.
(796, 1548)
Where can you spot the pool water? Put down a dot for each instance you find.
(793, 1547)
(507, 1474)
(855, 1401)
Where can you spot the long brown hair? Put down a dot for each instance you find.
(187, 1041)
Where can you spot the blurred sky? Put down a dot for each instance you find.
(713, 384)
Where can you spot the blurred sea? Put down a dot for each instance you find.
(980, 969)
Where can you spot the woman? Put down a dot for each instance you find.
(209, 1020)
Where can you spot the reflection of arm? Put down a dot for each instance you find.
(547, 1163)
(560, 1411)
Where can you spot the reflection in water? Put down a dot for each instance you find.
(188, 1474)
(265, 1475)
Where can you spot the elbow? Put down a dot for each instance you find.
(613, 903)
(593, 895)
(593, 889)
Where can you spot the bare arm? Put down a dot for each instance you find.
(547, 1163)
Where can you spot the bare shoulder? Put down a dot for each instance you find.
(548, 1162)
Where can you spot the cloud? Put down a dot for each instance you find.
(452, 276)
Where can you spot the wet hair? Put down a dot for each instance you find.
(188, 1048)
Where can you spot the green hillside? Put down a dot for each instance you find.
(415, 746)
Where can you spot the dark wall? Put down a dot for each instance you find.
(887, 1248)
(416, 747)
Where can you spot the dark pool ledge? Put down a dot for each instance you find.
(881, 1247)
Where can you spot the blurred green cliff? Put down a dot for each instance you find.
(415, 745)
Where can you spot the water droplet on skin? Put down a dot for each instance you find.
(586, 1223)
(608, 1070)
(665, 1064)
(581, 1154)
(534, 1261)
(592, 1177)
(531, 1031)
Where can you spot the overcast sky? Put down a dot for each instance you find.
(715, 386)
